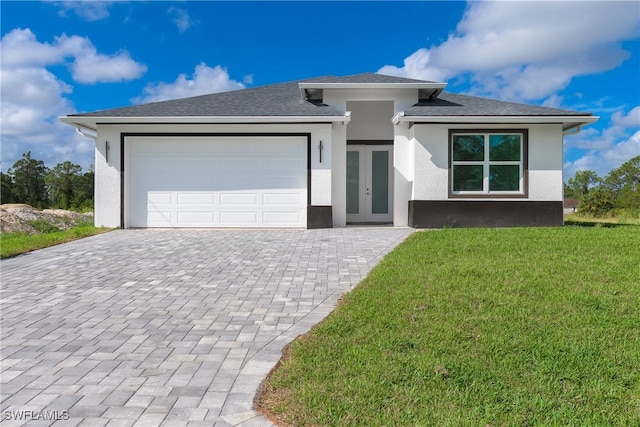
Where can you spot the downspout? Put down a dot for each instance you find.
(573, 130)
(83, 133)
(397, 117)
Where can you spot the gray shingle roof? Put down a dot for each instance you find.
(273, 100)
(284, 99)
(365, 78)
(451, 104)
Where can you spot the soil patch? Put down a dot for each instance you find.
(18, 218)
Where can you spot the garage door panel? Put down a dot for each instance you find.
(275, 219)
(196, 219)
(158, 219)
(196, 198)
(228, 198)
(217, 182)
(281, 199)
(159, 198)
(229, 218)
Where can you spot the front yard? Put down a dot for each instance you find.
(474, 327)
(12, 244)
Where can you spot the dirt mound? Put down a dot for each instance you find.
(18, 218)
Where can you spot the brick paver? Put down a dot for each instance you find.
(173, 327)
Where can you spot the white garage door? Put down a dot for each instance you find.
(216, 181)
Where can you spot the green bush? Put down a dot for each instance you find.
(627, 213)
(598, 201)
(43, 226)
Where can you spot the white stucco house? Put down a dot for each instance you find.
(327, 152)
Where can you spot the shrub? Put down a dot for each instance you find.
(43, 226)
(598, 201)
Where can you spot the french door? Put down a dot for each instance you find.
(369, 183)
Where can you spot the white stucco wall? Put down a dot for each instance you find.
(371, 114)
(108, 188)
(107, 179)
(370, 120)
(545, 163)
(339, 174)
(431, 160)
(403, 164)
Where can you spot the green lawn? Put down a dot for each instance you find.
(478, 327)
(12, 244)
(599, 222)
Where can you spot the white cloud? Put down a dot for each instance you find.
(607, 149)
(530, 50)
(527, 50)
(93, 67)
(33, 97)
(87, 9)
(204, 80)
(602, 161)
(20, 48)
(632, 119)
(181, 18)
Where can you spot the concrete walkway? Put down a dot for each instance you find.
(167, 327)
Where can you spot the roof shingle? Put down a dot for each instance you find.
(451, 104)
(284, 99)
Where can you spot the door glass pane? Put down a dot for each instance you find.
(504, 178)
(353, 182)
(380, 182)
(467, 177)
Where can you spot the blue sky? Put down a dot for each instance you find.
(63, 57)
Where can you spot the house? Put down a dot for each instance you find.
(570, 205)
(327, 152)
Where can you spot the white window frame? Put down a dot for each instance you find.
(486, 163)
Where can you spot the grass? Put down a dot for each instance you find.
(590, 221)
(13, 244)
(626, 216)
(478, 327)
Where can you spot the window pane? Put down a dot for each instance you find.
(353, 182)
(504, 147)
(504, 178)
(467, 178)
(468, 147)
(380, 182)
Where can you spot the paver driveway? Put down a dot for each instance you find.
(173, 327)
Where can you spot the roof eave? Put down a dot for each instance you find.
(568, 122)
(437, 86)
(91, 122)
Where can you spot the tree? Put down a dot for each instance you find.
(29, 184)
(83, 192)
(598, 201)
(6, 190)
(62, 182)
(624, 182)
(569, 191)
(582, 182)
